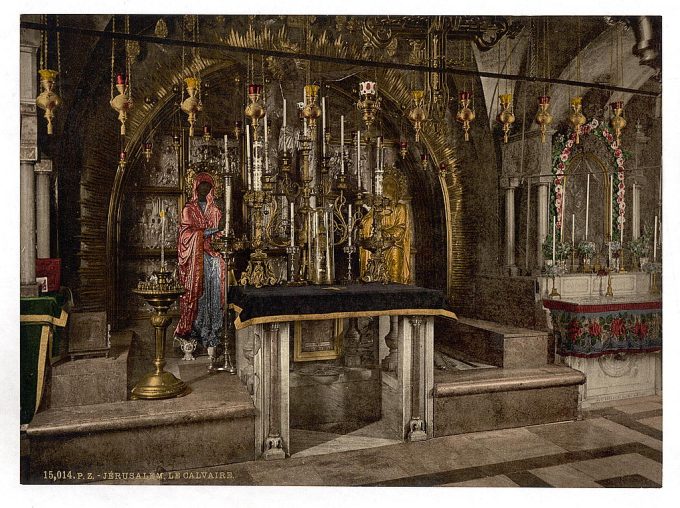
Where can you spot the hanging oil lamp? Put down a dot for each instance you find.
(148, 151)
(418, 114)
(48, 100)
(238, 129)
(176, 142)
(403, 148)
(576, 117)
(617, 122)
(543, 117)
(122, 103)
(192, 105)
(207, 134)
(506, 116)
(465, 115)
(122, 159)
(424, 161)
(255, 109)
(311, 110)
(369, 102)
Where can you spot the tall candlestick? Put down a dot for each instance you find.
(564, 206)
(250, 182)
(573, 217)
(553, 239)
(323, 125)
(342, 144)
(611, 208)
(656, 225)
(349, 225)
(587, 204)
(359, 159)
(636, 220)
(227, 188)
(292, 224)
(284, 116)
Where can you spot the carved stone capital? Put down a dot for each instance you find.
(43, 167)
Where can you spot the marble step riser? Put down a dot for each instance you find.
(173, 447)
(504, 409)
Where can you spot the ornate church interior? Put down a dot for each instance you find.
(339, 250)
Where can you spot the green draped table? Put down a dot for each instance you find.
(43, 320)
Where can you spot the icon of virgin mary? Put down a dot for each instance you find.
(201, 268)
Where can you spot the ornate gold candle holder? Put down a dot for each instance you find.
(617, 122)
(48, 100)
(465, 115)
(161, 294)
(255, 109)
(576, 117)
(191, 105)
(543, 117)
(369, 102)
(506, 117)
(311, 110)
(417, 114)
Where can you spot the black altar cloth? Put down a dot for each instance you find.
(277, 304)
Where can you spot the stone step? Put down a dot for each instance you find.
(488, 399)
(495, 344)
(212, 425)
(87, 381)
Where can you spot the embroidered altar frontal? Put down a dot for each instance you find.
(285, 303)
(595, 329)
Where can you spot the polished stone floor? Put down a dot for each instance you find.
(618, 444)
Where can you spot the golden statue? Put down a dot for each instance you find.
(396, 229)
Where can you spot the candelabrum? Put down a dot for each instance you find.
(48, 100)
(192, 105)
(224, 245)
(160, 294)
(259, 271)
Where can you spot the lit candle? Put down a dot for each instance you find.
(611, 208)
(553, 239)
(656, 225)
(349, 225)
(587, 204)
(342, 144)
(266, 155)
(573, 217)
(292, 224)
(359, 159)
(323, 125)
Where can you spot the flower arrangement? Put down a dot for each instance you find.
(640, 246)
(562, 249)
(652, 267)
(586, 249)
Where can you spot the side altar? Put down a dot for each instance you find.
(615, 341)
(264, 329)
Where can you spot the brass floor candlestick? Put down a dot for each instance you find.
(223, 247)
(160, 384)
(554, 293)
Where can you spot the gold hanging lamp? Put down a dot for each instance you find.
(576, 117)
(48, 100)
(543, 117)
(465, 114)
(418, 114)
(506, 117)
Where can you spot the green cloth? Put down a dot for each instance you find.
(43, 320)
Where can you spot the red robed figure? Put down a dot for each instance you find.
(191, 245)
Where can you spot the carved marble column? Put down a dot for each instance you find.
(276, 393)
(43, 173)
(510, 186)
(391, 361)
(28, 89)
(541, 221)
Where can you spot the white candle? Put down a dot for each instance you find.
(611, 208)
(553, 239)
(342, 144)
(636, 220)
(564, 206)
(292, 224)
(573, 218)
(323, 125)
(349, 225)
(656, 225)
(587, 204)
(266, 155)
(359, 159)
(162, 214)
(250, 182)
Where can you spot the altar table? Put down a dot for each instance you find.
(614, 341)
(262, 321)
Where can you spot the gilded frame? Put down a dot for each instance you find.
(329, 354)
